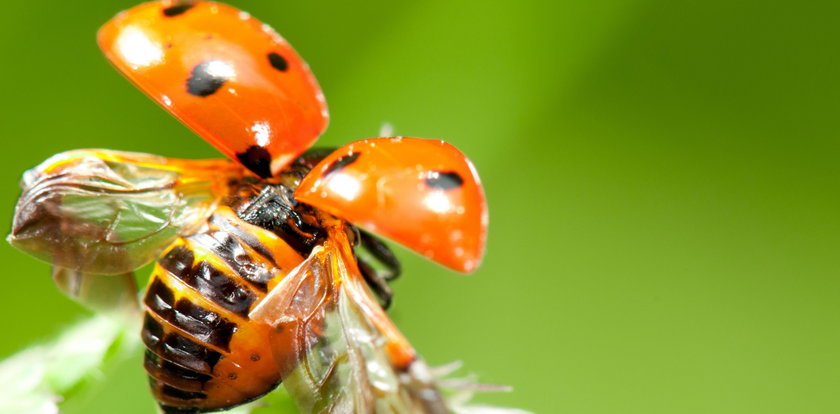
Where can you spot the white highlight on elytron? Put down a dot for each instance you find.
(166, 100)
(262, 133)
(438, 202)
(220, 69)
(345, 186)
(137, 49)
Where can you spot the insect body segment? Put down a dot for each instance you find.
(204, 352)
(232, 79)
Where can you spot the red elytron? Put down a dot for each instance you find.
(226, 75)
(264, 273)
(421, 193)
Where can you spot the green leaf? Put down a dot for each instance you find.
(49, 378)
(39, 379)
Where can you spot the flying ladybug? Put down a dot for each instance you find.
(267, 269)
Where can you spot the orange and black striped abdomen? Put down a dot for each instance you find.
(203, 352)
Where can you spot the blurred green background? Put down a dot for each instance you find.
(662, 180)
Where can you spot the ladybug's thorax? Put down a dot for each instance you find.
(270, 204)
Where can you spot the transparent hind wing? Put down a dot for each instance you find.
(110, 212)
(347, 356)
(113, 295)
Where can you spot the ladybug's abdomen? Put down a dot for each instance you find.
(203, 352)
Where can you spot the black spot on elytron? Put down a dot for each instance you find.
(342, 162)
(232, 376)
(256, 159)
(177, 10)
(444, 180)
(255, 357)
(204, 83)
(278, 62)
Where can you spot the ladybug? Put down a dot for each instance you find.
(266, 266)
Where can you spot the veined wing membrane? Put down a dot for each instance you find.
(110, 212)
(348, 357)
(113, 295)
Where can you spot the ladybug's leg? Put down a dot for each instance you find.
(383, 254)
(377, 264)
(377, 283)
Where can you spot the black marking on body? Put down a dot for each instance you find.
(183, 351)
(229, 249)
(177, 10)
(204, 325)
(203, 82)
(245, 237)
(217, 286)
(175, 375)
(256, 159)
(211, 283)
(178, 260)
(152, 332)
(181, 394)
(444, 180)
(170, 370)
(278, 62)
(342, 162)
(159, 298)
(176, 348)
